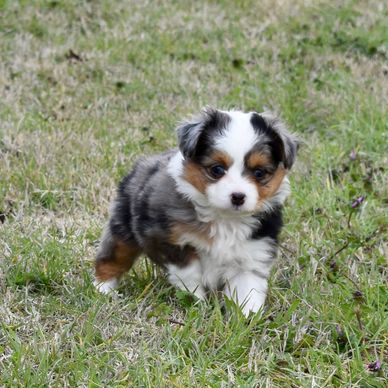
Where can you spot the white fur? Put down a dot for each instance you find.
(237, 261)
(242, 264)
(230, 252)
(239, 138)
(187, 278)
(237, 143)
(225, 260)
(219, 193)
(248, 290)
(107, 286)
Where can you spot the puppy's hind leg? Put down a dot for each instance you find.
(115, 256)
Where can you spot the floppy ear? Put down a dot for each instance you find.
(287, 141)
(188, 135)
(193, 133)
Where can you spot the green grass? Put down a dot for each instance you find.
(86, 87)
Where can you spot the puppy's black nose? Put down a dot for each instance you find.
(238, 199)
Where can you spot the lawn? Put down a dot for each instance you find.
(88, 86)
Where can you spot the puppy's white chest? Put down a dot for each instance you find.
(230, 251)
(225, 239)
(221, 265)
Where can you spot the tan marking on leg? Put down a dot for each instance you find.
(121, 260)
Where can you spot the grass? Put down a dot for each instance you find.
(86, 87)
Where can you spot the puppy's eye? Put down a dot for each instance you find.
(217, 171)
(259, 173)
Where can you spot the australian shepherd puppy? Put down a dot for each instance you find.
(209, 213)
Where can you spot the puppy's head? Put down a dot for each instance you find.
(236, 160)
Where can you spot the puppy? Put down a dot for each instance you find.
(209, 213)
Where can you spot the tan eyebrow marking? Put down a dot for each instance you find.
(258, 159)
(221, 158)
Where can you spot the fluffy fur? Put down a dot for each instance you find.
(210, 212)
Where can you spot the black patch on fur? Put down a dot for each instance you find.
(119, 223)
(145, 218)
(196, 139)
(214, 124)
(283, 144)
(293, 147)
(153, 170)
(270, 225)
(125, 181)
(164, 253)
(275, 143)
(258, 123)
(141, 210)
(188, 134)
(161, 219)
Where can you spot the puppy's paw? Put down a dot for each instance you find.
(107, 286)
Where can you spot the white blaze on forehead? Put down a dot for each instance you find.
(236, 141)
(239, 137)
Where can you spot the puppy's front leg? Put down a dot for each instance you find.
(248, 290)
(188, 277)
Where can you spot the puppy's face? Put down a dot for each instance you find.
(236, 160)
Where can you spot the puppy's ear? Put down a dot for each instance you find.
(188, 135)
(286, 142)
(194, 134)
